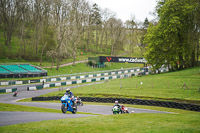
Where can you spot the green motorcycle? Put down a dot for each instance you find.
(116, 110)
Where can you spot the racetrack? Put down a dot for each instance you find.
(8, 118)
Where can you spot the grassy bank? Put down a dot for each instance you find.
(82, 67)
(37, 63)
(167, 86)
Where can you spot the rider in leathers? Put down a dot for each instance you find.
(117, 104)
(70, 94)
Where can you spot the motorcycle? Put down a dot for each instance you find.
(125, 110)
(116, 110)
(15, 94)
(67, 105)
(79, 102)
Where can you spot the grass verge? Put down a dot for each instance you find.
(13, 107)
(156, 123)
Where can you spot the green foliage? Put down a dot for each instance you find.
(95, 16)
(154, 54)
(174, 40)
(47, 34)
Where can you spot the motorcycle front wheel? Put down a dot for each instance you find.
(115, 112)
(63, 108)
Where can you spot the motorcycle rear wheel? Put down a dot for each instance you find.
(74, 110)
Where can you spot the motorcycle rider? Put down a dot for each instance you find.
(122, 107)
(70, 94)
(15, 93)
(118, 105)
(78, 100)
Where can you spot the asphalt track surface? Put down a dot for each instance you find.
(9, 118)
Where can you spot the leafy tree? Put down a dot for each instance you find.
(95, 18)
(154, 54)
(9, 15)
(172, 40)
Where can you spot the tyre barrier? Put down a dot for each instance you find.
(184, 106)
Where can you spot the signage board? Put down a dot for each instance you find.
(122, 59)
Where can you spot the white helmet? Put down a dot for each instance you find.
(68, 90)
(116, 102)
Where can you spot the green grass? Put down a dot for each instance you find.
(155, 123)
(180, 121)
(167, 86)
(82, 67)
(4, 49)
(13, 107)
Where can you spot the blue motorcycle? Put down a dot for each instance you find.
(67, 104)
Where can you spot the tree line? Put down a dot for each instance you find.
(57, 29)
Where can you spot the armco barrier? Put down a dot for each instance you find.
(8, 90)
(79, 81)
(185, 106)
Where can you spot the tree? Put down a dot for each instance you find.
(106, 15)
(60, 13)
(175, 35)
(75, 28)
(154, 54)
(146, 23)
(95, 19)
(116, 34)
(132, 38)
(23, 20)
(9, 13)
